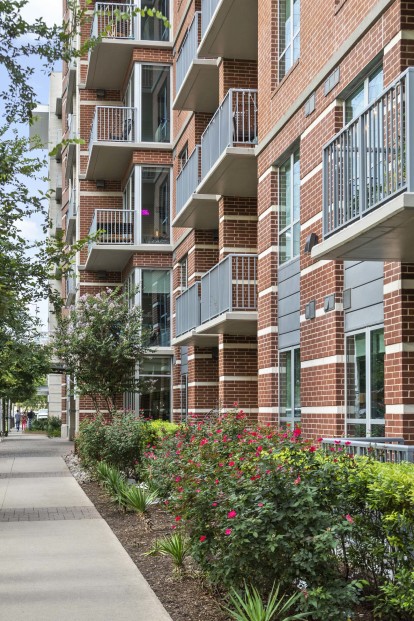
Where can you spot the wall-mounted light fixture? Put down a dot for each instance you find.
(100, 93)
(311, 241)
(100, 184)
(102, 275)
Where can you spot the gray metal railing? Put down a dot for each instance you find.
(187, 310)
(114, 21)
(71, 134)
(72, 207)
(188, 178)
(381, 449)
(233, 123)
(115, 226)
(207, 11)
(231, 285)
(113, 124)
(372, 159)
(70, 287)
(188, 51)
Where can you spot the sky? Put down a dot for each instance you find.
(51, 12)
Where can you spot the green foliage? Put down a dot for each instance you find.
(100, 342)
(139, 499)
(265, 506)
(39, 425)
(53, 427)
(114, 483)
(175, 546)
(250, 606)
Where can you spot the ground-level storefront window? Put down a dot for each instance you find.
(365, 384)
(289, 387)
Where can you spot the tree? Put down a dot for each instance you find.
(100, 343)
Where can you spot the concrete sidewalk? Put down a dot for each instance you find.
(59, 560)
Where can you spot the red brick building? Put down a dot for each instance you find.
(260, 152)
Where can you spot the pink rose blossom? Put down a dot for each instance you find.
(227, 531)
(231, 514)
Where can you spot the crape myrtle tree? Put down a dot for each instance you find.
(101, 342)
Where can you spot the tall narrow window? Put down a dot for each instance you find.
(155, 103)
(155, 302)
(289, 35)
(184, 273)
(153, 29)
(289, 387)
(367, 91)
(155, 205)
(155, 397)
(365, 384)
(289, 209)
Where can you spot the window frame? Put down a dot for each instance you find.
(364, 82)
(282, 53)
(184, 268)
(368, 421)
(293, 223)
(290, 420)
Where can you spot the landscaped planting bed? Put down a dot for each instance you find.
(262, 507)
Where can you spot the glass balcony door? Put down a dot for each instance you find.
(148, 193)
(365, 405)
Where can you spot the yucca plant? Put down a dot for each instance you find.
(250, 606)
(102, 471)
(176, 546)
(139, 499)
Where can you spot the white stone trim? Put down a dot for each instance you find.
(238, 250)
(268, 410)
(268, 330)
(269, 371)
(202, 247)
(267, 173)
(272, 289)
(402, 34)
(311, 221)
(324, 409)
(199, 357)
(100, 194)
(238, 378)
(314, 266)
(311, 174)
(100, 284)
(235, 218)
(195, 384)
(320, 118)
(399, 408)
(319, 362)
(397, 348)
(269, 250)
(397, 285)
(269, 210)
(237, 346)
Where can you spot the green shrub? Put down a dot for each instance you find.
(53, 427)
(39, 425)
(139, 499)
(176, 546)
(250, 606)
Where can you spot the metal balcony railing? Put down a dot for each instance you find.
(381, 449)
(71, 134)
(113, 124)
(372, 159)
(231, 285)
(207, 11)
(188, 310)
(115, 226)
(188, 178)
(233, 123)
(114, 21)
(188, 51)
(70, 287)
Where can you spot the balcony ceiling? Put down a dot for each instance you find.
(114, 257)
(232, 33)
(200, 89)
(233, 174)
(238, 323)
(385, 234)
(109, 61)
(199, 212)
(109, 160)
(195, 339)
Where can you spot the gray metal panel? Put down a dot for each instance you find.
(184, 360)
(289, 304)
(365, 280)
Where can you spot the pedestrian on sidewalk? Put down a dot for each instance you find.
(30, 417)
(17, 419)
(24, 421)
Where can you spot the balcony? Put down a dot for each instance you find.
(112, 142)
(115, 134)
(70, 289)
(71, 85)
(197, 84)
(117, 237)
(71, 135)
(121, 31)
(198, 211)
(228, 303)
(71, 216)
(228, 162)
(368, 182)
(58, 189)
(229, 29)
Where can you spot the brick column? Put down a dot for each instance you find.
(203, 392)
(399, 350)
(237, 367)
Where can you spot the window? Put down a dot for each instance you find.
(147, 194)
(365, 408)
(155, 397)
(153, 29)
(148, 93)
(182, 158)
(289, 35)
(289, 209)
(184, 274)
(289, 387)
(364, 94)
(184, 397)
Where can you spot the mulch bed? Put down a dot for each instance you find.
(185, 598)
